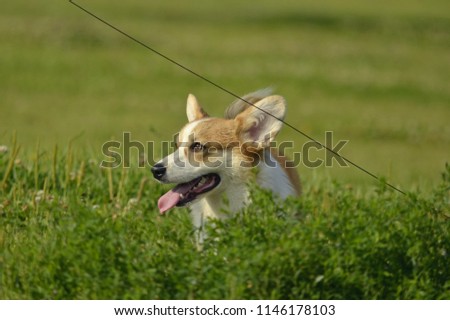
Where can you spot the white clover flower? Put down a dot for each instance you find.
(132, 202)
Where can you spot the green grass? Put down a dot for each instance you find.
(376, 74)
(70, 230)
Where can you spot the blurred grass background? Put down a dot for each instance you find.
(374, 73)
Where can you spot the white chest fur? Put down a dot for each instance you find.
(235, 196)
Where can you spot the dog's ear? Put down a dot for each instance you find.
(193, 109)
(245, 102)
(262, 124)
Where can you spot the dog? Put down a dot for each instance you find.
(217, 157)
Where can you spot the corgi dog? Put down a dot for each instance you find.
(217, 157)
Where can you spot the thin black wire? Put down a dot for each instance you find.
(232, 94)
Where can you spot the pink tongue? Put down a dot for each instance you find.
(168, 201)
(171, 198)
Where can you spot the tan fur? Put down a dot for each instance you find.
(291, 172)
(194, 110)
(240, 105)
(219, 134)
(238, 143)
(227, 133)
(216, 130)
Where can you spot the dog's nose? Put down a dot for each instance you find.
(158, 171)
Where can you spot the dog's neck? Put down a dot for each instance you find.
(224, 203)
(220, 205)
(272, 177)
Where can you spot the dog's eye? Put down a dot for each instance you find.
(196, 146)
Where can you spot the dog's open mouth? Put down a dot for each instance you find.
(184, 193)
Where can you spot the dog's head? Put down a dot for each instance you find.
(213, 152)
